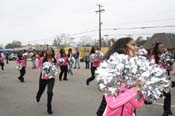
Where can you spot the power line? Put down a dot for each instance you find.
(150, 21)
(100, 23)
(110, 29)
(142, 27)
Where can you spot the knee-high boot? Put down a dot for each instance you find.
(49, 105)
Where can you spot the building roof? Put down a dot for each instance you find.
(168, 39)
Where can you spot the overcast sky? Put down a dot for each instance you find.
(30, 20)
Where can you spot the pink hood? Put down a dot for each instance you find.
(124, 104)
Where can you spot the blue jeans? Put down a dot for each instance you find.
(77, 62)
(34, 64)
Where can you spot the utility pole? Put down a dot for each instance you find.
(100, 23)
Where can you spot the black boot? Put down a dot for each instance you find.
(49, 109)
(87, 82)
(60, 78)
(65, 79)
(173, 84)
(37, 98)
(49, 100)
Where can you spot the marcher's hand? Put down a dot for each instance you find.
(139, 84)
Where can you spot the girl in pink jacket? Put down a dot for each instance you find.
(40, 60)
(94, 64)
(126, 101)
(158, 50)
(62, 61)
(2, 62)
(21, 65)
(44, 80)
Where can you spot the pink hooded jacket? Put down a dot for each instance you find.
(22, 62)
(160, 64)
(124, 104)
(153, 60)
(96, 63)
(40, 61)
(66, 61)
(1, 59)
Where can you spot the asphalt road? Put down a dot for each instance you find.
(71, 98)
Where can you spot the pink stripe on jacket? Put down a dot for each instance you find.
(22, 62)
(40, 61)
(96, 63)
(153, 60)
(1, 60)
(124, 104)
(66, 60)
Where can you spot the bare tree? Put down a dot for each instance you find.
(1, 46)
(14, 44)
(57, 42)
(62, 41)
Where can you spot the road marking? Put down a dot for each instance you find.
(160, 104)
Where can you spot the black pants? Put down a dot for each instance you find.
(22, 73)
(92, 74)
(87, 64)
(2, 66)
(7, 61)
(42, 86)
(102, 107)
(63, 70)
(167, 100)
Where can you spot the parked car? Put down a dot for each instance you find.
(13, 57)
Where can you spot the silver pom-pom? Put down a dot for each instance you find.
(109, 74)
(167, 59)
(19, 66)
(49, 70)
(97, 55)
(120, 69)
(61, 61)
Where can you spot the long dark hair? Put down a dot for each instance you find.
(92, 50)
(62, 52)
(53, 55)
(69, 52)
(156, 51)
(120, 46)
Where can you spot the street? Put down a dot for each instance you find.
(71, 98)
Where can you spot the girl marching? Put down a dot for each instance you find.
(2, 62)
(95, 57)
(127, 80)
(63, 63)
(21, 65)
(47, 77)
(71, 61)
(158, 52)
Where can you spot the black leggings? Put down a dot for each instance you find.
(63, 70)
(2, 66)
(87, 64)
(167, 100)
(102, 107)
(42, 86)
(22, 73)
(92, 74)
